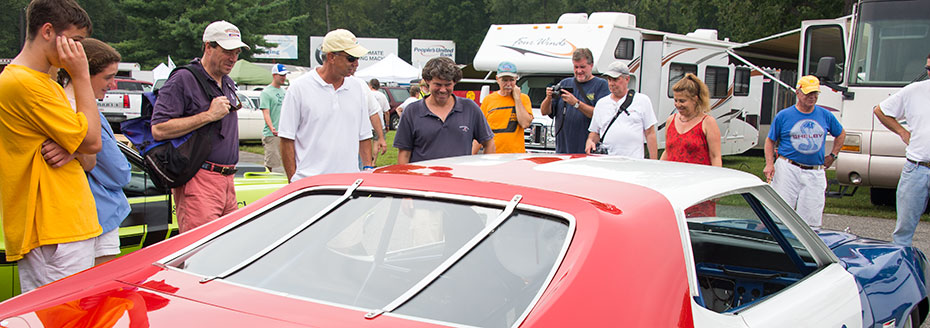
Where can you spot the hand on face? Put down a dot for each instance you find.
(71, 56)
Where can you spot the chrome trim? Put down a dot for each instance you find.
(448, 263)
(329, 208)
(570, 234)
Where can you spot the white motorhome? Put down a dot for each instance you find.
(542, 54)
(877, 50)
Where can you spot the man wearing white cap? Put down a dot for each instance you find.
(270, 104)
(799, 132)
(182, 108)
(624, 120)
(325, 125)
(508, 112)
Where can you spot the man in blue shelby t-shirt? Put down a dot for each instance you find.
(572, 111)
(800, 133)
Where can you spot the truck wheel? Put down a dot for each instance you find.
(882, 196)
(395, 122)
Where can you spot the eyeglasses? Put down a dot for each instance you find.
(350, 58)
(238, 105)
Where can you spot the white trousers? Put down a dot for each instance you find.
(45, 264)
(802, 189)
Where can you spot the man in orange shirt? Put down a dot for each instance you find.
(508, 112)
(49, 215)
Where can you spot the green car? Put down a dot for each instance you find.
(152, 217)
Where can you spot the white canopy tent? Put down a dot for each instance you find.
(390, 69)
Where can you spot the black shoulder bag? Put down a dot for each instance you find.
(600, 149)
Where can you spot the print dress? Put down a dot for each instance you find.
(690, 147)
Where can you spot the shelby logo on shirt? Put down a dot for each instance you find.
(807, 136)
(464, 128)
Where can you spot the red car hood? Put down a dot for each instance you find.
(171, 298)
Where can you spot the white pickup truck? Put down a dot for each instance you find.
(120, 105)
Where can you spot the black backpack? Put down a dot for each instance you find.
(171, 163)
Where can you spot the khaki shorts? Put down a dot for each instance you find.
(272, 151)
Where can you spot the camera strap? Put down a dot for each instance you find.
(623, 107)
(583, 98)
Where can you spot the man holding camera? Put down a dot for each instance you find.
(622, 125)
(574, 106)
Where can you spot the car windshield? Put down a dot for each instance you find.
(891, 44)
(374, 248)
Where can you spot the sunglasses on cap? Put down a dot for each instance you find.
(350, 58)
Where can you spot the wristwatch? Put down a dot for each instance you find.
(833, 155)
(578, 104)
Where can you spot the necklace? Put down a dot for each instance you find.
(683, 120)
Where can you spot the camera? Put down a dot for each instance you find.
(599, 149)
(559, 89)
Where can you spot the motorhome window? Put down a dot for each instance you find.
(535, 87)
(891, 44)
(624, 49)
(738, 259)
(741, 81)
(824, 41)
(677, 71)
(716, 79)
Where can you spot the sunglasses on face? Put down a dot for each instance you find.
(350, 58)
(927, 67)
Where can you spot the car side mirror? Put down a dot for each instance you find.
(826, 67)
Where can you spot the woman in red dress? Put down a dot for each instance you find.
(692, 136)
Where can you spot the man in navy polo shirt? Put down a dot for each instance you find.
(572, 110)
(442, 125)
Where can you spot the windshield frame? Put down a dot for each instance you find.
(169, 261)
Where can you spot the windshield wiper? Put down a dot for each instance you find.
(329, 208)
(454, 258)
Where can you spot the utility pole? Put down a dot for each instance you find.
(327, 16)
(22, 28)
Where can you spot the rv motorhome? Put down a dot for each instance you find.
(542, 54)
(875, 52)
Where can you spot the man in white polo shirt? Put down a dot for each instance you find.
(324, 125)
(910, 104)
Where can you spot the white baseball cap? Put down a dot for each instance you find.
(616, 69)
(225, 34)
(342, 40)
(279, 69)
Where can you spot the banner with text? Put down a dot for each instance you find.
(286, 47)
(422, 51)
(378, 48)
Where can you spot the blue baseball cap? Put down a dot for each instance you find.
(279, 69)
(507, 69)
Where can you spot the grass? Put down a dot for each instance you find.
(858, 204)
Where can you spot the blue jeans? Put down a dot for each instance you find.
(911, 201)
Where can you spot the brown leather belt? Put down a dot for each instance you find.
(218, 169)
(924, 164)
(803, 166)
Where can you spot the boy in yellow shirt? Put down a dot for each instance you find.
(48, 211)
(508, 112)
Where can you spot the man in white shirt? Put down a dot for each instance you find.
(325, 126)
(911, 104)
(626, 130)
(414, 91)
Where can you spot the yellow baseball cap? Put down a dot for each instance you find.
(808, 84)
(342, 40)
